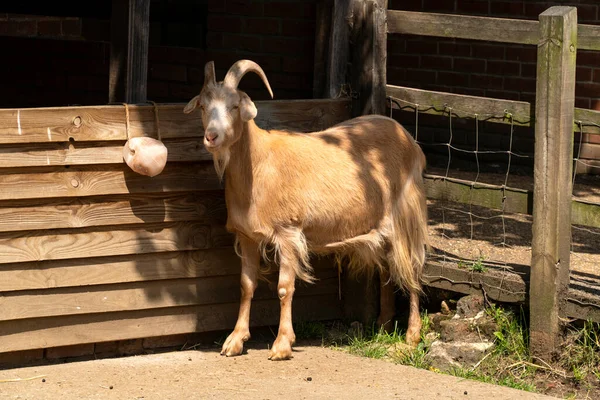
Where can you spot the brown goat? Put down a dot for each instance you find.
(355, 189)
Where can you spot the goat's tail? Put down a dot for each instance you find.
(409, 239)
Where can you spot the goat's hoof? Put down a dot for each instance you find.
(234, 345)
(281, 350)
(413, 337)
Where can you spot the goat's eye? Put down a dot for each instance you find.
(235, 107)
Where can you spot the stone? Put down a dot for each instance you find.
(469, 306)
(447, 356)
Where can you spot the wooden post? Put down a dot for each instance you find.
(369, 56)
(553, 165)
(130, 29)
(322, 35)
(339, 48)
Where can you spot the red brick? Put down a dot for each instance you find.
(584, 74)
(596, 74)
(596, 106)
(435, 62)
(70, 351)
(214, 40)
(524, 54)
(158, 89)
(589, 58)
(582, 102)
(295, 64)
(405, 5)
(242, 42)
(528, 97)
(19, 28)
(454, 49)
(99, 29)
(71, 27)
(263, 26)
(419, 75)
(420, 46)
(503, 67)
(528, 70)
(88, 83)
(216, 6)
(472, 6)
(587, 14)
(587, 89)
(533, 9)
(505, 8)
(438, 5)
(469, 65)
(220, 23)
(244, 7)
(403, 60)
(168, 72)
(487, 81)
(471, 91)
(183, 92)
(502, 94)
(287, 45)
(396, 75)
(290, 10)
(488, 51)
(49, 28)
(519, 84)
(452, 78)
(289, 81)
(298, 28)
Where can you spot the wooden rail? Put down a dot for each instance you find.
(487, 109)
(504, 30)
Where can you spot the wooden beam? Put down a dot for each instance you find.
(462, 106)
(91, 328)
(113, 180)
(130, 31)
(487, 109)
(504, 30)
(553, 164)
(85, 212)
(339, 48)
(108, 123)
(322, 34)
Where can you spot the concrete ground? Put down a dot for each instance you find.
(314, 373)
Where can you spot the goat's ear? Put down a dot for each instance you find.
(191, 106)
(247, 108)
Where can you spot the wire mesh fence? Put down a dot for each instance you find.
(480, 193)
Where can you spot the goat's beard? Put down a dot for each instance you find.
(221, 160)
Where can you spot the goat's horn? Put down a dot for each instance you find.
(241, 68)
(209, 73)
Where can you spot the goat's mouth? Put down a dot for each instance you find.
(212, 146)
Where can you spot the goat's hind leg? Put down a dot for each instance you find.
(387, 302)
(234, 345)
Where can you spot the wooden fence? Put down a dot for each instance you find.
(558, 37)
(91, 251)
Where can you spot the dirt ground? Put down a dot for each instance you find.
(315, 372)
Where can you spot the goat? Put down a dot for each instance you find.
(354, 190)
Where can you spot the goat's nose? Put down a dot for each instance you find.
(211, 136)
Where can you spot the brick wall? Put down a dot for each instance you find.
(485, 68)
(54, 61)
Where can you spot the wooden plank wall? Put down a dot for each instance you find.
(91, 251)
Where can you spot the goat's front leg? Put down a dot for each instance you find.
(282, 347)
(234, 345)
